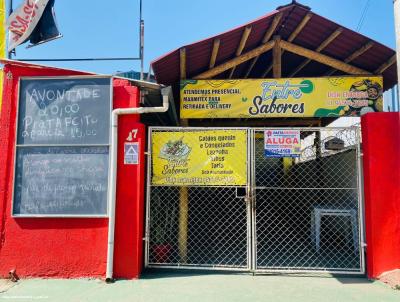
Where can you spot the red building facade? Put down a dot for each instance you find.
(70, 247)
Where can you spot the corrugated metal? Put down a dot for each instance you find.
(167, 70)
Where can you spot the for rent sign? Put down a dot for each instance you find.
(296, 97)
(282, 143)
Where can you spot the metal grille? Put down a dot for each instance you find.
(197, 226)
(300, 214)
(307, 208)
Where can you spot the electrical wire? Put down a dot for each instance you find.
(363, 15)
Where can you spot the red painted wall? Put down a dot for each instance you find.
(129, 214)
(381, 158)
(130, 189)
(67, 247)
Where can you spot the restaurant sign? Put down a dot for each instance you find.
(291, 97)
(199, 158)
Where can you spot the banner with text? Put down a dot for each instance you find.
(199, 158)
(282, 143)
(1, 89)
(32, 20)
(296, 97)
(2, 29)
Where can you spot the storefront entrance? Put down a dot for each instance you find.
(300, 213)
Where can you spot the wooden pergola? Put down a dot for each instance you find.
(290, 42)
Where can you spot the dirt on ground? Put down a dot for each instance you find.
(391, 278)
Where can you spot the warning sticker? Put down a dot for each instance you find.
(131, 153)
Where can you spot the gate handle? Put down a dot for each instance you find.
(241, 192)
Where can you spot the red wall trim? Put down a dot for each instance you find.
(381, 161)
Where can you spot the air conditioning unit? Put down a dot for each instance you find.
(334, 144)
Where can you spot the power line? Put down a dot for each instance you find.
(363, 15)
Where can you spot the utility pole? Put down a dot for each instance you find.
(396, 7)
(141, 40)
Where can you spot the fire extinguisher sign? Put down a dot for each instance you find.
(131, 153)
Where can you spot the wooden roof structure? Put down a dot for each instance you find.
(291, 41)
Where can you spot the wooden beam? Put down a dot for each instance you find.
(267, 36)
(214, 53)
(354, 55)
(243, 40)
(236, 61)
(267, 71)
(277, 58)
(182, 63)
(386, 65)
(251, 66)
(260, 122)
(359, 52)
(292, 36)
(320, 48)
(241, 46)
(299, 27)
(321, 58)
(328, 40)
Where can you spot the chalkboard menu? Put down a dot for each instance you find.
(61, 180)
(62, 151)
(64, 111)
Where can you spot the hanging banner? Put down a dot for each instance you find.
(33, 20)
(23, 21)
(2, 29)
(296, 97)
(199, 158)
(47, 29)
(282, 143)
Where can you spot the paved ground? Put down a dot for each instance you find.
(204, 287)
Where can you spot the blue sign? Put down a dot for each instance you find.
(131, 153)
(282, 143)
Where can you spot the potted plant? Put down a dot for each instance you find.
(161, 230)
(161, 248)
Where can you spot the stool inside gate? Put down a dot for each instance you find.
(316, 224)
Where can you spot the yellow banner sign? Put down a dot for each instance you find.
(1, 89)
(2, 29)
(199, 158)
(296, 97)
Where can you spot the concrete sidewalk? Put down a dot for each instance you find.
(204, 287)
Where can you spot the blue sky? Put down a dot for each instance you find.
(103, 28)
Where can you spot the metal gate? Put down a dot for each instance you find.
(294, 214)
(307, 210)
(197, 226)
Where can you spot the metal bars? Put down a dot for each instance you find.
(197, 226)
(307, 209)
(295, 214)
